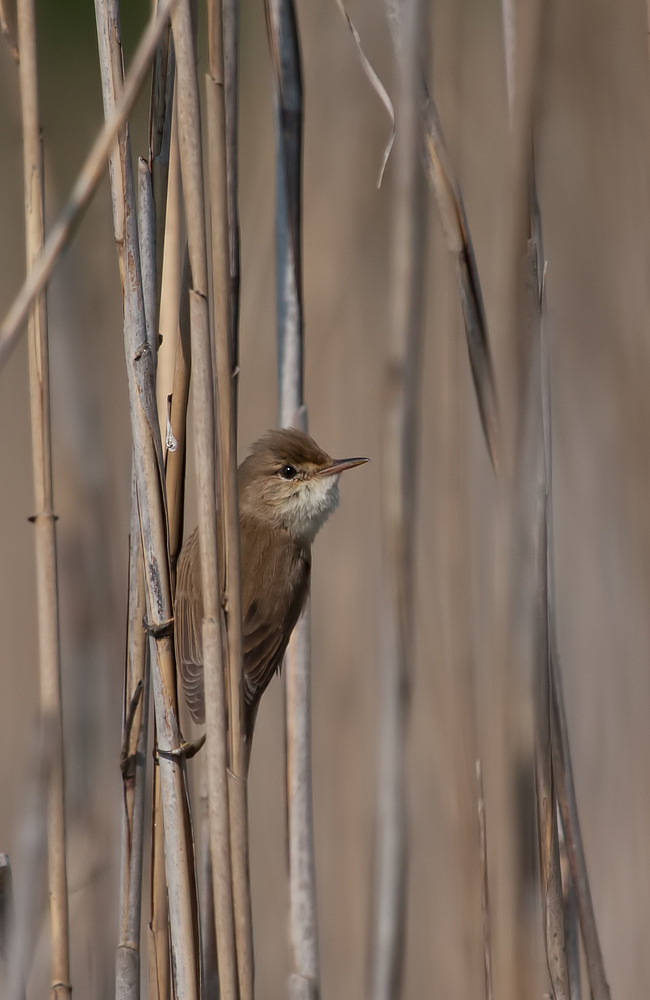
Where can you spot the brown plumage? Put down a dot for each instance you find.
(287, 490)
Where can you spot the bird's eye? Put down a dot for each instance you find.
(288, 472)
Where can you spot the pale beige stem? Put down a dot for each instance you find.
(171, 282)
(215, 693)
(225, 338)
(44, 518)
(225, 885)
(399, 461)
(147, 450)
(158, 941)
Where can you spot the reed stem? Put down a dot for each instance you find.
(44, 519)
(284, 39)
(147, 450)
(400, 437)
(225, 351)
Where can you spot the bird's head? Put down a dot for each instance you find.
(288, 481)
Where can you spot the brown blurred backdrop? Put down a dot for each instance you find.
(593, 159)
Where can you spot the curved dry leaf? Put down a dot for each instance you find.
(376, 85)
(441, 174)
(9, 25)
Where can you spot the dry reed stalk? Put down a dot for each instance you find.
(525, 38)
(32, 851)
(398, 515)
(282, 23)
(134, 770)
(225, 884)
(160, 132)
(511, 690)
(44, 519)
(64, 227)
(485, 891)
(571, 923)
(176, 418)
(508, 15)
(159, 963)
(220, 131)
(561, 749)
(284, 43)
(172, 416)
(171, 299)
(549, 848)
(210, 965)
(6, 905)
(215, 692)
(455, 658)
(136, 687)
(230, 19)
(147, 452)
(571, 825)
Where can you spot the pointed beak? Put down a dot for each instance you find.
(341, 464)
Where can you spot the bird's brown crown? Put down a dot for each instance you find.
(288, 446)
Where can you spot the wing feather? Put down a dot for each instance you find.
(188, 635)
(275, 581)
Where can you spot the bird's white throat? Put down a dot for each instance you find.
(305, 512)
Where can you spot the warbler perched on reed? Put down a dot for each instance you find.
(288, 487)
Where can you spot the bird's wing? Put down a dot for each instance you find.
(266, 636)
(263, 652)
(188, 612)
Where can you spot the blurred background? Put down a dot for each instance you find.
(593, 167)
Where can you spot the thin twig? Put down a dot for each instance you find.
(230, 18)
(44, 518)
(160, 130)
(398, 494)
(147, 450)
(225, 350)
(485, 895)
(6, 906)
(134, 770)
(87, 181)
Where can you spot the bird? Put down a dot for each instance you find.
(288, 487)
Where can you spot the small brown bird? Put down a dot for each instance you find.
(288, 487)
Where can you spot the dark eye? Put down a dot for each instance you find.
(288, 472)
